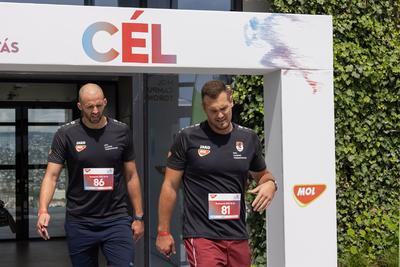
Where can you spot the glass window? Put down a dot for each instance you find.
(7, 195)
(184, 122)
(106, 3)
(56, 207)
(162, 95)
(223, 5)
(7, 145)
(116, 3)
(185, 96)
(178, 99)
(159, 3)
(49, 115)
(40, 92)
(57, 2)
(7, 115)
(39, 143)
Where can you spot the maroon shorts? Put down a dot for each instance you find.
(219, 253)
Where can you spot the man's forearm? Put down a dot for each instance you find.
(166, 206)
(46, 192)
(135, 195)
(49, 185)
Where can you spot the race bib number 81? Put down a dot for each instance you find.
(98, 179)
(223, 206)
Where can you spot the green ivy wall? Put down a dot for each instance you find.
(367, 122)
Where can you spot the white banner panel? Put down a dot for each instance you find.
(299, 124)
(309, 169)
(78, 38)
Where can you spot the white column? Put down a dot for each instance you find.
(300, 152)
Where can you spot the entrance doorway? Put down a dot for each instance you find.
(26, 133)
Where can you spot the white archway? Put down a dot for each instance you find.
(294, 52)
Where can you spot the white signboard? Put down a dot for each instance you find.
(76, 38)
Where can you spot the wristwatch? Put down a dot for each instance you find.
(138, 218)
(275, 183)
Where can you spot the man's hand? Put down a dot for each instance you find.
(42, 224)
(166, 245)
(137, 229)
(265, 193)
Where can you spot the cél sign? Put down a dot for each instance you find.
(129, 42)
(305, 194)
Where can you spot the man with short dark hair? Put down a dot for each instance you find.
(102, 179)
(213, 160)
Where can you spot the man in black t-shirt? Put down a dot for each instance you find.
(102, 179)
(213, 160)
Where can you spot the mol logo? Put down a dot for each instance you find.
(204, 150)
(304, 194)
(130, 43)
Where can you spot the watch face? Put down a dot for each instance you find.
(138, 218)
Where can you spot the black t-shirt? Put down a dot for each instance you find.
(214, 163)
(100, 154)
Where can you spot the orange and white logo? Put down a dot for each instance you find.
(80, 146)
(239, 146)
(204, 150)
(304, 194)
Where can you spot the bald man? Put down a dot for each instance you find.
(102, 178)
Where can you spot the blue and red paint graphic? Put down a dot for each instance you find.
(258, 33)
(129, 42)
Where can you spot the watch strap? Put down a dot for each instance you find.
(138, 218)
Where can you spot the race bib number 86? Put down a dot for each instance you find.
(223, 206)
(98, 179)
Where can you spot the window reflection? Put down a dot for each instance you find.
(159, 3)
(7, 195)
(7, 145)
(49, 115)
(56, 207)
(39, 143)
(185, 96)
(222, 5)
(106, 3)
(58, 2)
(7, 115)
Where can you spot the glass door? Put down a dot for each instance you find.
(26, 133)
(7, 171)
(41, 126)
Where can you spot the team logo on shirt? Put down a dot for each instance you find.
(80, 146)
(204, 150)
(239, 146)
(239, 149)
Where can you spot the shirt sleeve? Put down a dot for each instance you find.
(129, 151)
(258, 162)
(177, 157)
(58, 149)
